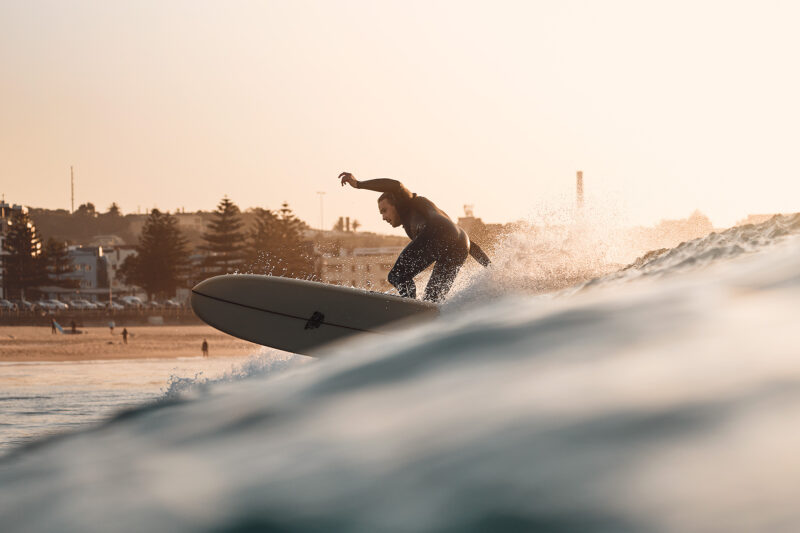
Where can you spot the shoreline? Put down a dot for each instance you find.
(38, 344)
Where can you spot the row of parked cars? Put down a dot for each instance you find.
(117, 304)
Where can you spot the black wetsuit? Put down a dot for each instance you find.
(434, 239)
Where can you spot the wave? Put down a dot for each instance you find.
(657, 398)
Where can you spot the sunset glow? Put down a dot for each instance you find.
(666, 107)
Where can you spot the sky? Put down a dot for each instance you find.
(666, 107)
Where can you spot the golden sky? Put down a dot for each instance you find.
(665, 106)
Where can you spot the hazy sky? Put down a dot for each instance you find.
(665, 106)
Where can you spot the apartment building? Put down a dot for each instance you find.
(363, 268)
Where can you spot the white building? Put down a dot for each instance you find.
(88, 267)
(114, 258)
(364, 268)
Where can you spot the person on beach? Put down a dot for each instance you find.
(434, 238)
(125, 335)
(204, 347)
(53, 329)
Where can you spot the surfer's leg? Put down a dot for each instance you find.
(446, 269)
(415, 258)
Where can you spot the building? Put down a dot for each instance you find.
(364, 268)
(107, 241)
(89, 267)
(478, 231)
(114, 258)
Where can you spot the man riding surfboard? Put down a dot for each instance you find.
(434, 238)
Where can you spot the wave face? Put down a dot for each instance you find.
(662, 397)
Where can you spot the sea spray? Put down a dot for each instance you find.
(267, 362)
(702, 252)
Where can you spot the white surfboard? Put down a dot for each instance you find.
(295, 315)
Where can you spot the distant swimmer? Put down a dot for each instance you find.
(434, 238)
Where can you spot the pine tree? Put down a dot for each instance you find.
(263, 236)
(162, 257)
(24, 265)
(114, 210)
(86, 210)
(58, 264)
(225, 240)
(278, 241)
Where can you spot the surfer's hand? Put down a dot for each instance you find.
(346, 177)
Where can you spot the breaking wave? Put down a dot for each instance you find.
(657, 397)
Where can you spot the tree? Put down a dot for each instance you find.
(24, 266)
(162, 257)
(113, 210)
(263, 234)
(58, 264)
(224, 241)
(86, 210)
(277, 240)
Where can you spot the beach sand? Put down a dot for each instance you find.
(31, 343)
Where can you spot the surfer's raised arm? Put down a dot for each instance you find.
(393, 187)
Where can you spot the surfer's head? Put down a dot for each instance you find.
(388, 209)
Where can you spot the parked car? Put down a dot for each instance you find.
(172, 304)
(59, 305)
(131, 302)
(24, 305)
(46, 305)
(5, 305)
(114, 306)
(81, 304)
(153, 304)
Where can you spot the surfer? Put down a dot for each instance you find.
(434, 238)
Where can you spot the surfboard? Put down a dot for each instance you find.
(296, 315)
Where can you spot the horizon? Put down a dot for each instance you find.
(389, 232)
(666, 109)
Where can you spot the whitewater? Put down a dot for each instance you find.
(663, 396)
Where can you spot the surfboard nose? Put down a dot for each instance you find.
(207, 286)
(204, 294)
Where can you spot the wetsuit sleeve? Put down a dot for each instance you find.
(384, 185)
(478, 254)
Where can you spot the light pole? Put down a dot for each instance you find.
(321, 212)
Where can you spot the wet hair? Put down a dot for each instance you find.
(398, 197)
(389, 197)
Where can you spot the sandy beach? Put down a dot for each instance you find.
(29, 343)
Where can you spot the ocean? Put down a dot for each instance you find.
(660, 397)
(38, 399)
